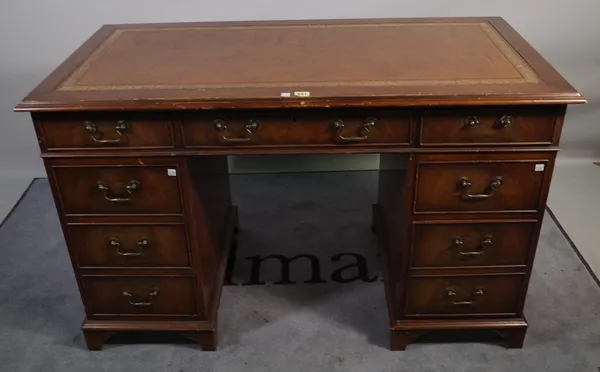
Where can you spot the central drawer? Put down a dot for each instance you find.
(296, 128)
(143, 189)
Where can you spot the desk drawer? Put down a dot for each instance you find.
(488, 127)
(497, 295)
(484, 185)
(298, 128)
(118, 189)
(459, 244)
(142, 296)
(106, 131)
(123, 245)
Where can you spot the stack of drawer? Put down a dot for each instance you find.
(102, 202)
(475, 218)
(125, 220)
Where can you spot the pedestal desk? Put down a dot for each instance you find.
(136, 125)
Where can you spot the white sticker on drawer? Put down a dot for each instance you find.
(540, 167)
(173, 172)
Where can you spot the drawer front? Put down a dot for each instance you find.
(465, 295)
(149, 296)
(471, 244)
(496, 127)
(312, 128)
(122, 245)
(118, 190)
(105, 131)
(479, 186)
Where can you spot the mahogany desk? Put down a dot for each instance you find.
(135, 127)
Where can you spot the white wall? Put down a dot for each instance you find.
(36, 35)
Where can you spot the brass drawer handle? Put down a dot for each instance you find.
(250, 128)
(504, 122)
(131, 187)
(121, 128)
(115, 243)
(464, 184)
(475, 296)
(458, 243)
(369, 124)
(471, 122)
(151, 296)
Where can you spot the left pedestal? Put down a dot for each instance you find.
(148, 239)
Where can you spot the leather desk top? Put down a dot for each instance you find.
(383, 62)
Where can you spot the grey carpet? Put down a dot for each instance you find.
(328, 326)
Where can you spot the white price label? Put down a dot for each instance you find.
(540, 167)
(171, 172)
